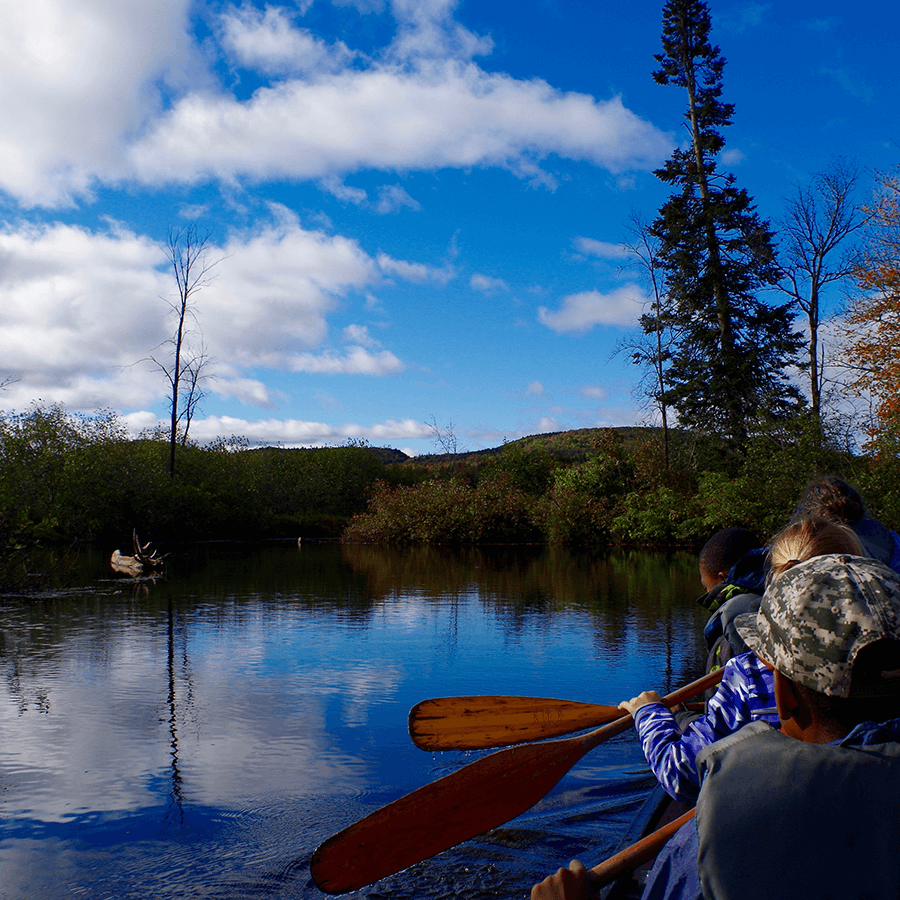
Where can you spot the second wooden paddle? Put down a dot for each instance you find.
(480, 796)
(480, 723)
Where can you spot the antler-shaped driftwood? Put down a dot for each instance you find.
(143, 558)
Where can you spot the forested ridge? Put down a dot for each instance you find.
(66, 479)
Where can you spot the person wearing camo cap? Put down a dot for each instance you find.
(813, 810)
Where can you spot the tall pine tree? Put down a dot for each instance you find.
(728, 367)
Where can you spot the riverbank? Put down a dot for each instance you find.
(67, 481)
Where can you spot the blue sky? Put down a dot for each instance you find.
(416, 207)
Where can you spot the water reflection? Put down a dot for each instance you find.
(201, 735)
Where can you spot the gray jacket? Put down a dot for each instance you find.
(779, 818)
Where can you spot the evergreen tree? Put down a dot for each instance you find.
(728, 365)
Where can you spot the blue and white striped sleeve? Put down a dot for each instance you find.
(744, 694)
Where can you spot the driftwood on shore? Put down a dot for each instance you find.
(144, 559)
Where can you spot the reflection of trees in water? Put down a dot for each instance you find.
(632, 596)
(19, 668)
(530, 578)
(175, 811)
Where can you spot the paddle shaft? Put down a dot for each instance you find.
(480, 723)
(474, 799)
(637, 854)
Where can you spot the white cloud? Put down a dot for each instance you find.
(603, 249)
(415, 272)
(81, 313)
(392, 198)
(344, 192)
(385, 120)
(547, 424)
(732, 156)
(97, 93)
(535, 388)
(274, 290)
(247, 390)
(267, 41)
(593, 392)
(581, 312)
(359, 334)
(426, 30)
(486, 284)
(76, 309)
(77, 82)
(354, 361)
(294, 432)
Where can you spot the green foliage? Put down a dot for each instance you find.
(655, 518)
(447, 511)
(66, 478)
(878, 480)
(529, 468)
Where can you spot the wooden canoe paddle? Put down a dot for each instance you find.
(637, 854)
(479, 723)
(474, 799)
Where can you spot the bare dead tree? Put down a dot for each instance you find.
(187, 251)
(820, 220)
(194, 376)
(445, 438)
(651, 351)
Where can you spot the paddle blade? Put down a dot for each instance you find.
(482, 795)
(480, 723)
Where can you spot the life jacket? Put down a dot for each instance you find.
(739, 593)
(722, 639)
(780, 818)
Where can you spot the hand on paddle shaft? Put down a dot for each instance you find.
(579, 883)
(480, 796)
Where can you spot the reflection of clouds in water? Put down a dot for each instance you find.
(409, 611)
(208, 744)
(233, 715)
(365, 687)
(93, 750)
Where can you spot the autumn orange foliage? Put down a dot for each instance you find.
(873, 319)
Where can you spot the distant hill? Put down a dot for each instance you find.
(389, 455)
(575, 444)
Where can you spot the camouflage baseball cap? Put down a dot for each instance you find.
(815, 617)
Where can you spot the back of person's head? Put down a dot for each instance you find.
(821, 619)
(807, 537)
(832, 498)
(725, 548)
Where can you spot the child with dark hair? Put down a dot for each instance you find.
(722, 551)
(732, 571)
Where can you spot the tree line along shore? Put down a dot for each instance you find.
(67, 479)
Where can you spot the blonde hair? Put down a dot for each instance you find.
(810, 536)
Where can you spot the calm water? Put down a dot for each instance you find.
(201, 735)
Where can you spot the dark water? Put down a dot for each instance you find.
(199, 736)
